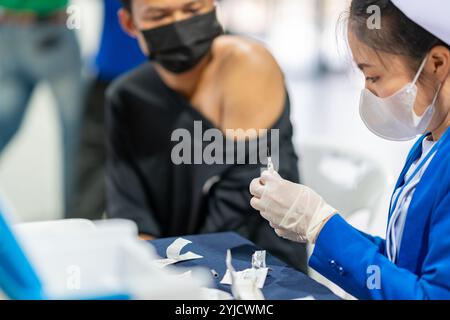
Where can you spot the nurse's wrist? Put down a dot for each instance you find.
(314, 233)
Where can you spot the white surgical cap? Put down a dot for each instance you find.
(432, 15)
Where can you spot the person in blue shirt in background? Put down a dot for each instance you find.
(406, 62)
(117, 54)
(36, 47)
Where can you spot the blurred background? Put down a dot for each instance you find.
(308, 42)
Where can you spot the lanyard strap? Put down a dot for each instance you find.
(418, 168)
(393, 209)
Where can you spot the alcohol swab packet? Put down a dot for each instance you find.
(259, 259)
(174, 255)
(243, 286)
(214, 294)
(256, 274)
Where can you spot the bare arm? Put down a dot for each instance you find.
(254, 89)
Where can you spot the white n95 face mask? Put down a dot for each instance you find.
(393, 118)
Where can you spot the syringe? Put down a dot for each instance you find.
(269, 161)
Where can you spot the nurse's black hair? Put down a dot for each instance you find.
(398, 34)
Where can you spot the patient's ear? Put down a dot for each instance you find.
(126, 21)
(128, 25)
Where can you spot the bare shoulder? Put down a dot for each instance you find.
(235, 52)
(252, 81)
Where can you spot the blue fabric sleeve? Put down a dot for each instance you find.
(379, 242)
(347, 257)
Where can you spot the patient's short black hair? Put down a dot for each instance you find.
(126, 4)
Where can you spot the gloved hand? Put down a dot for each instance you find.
(295, 211)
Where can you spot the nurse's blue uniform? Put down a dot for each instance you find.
(349, 257)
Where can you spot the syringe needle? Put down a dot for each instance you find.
(269, 161)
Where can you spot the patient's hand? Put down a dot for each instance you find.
(146, 237)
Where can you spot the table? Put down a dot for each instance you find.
(282, 283)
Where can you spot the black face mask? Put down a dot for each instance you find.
(180, 46)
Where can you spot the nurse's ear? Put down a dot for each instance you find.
(439, 63)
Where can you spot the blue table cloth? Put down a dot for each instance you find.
(282, 282)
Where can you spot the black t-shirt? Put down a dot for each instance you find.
(166, 199)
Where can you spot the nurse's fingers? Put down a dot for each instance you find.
(273, 225)
(272, 219)
(256, 204)
(264, 177)
(256, 188)
(267, 176)
(277, 227)
(280, 233)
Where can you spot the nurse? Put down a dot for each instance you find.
(406, 63)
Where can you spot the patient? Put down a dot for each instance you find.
(197, 77)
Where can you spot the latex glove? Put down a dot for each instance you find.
(295, 211)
